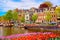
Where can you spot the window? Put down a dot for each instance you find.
(27, 17)
(54, 15)
(50, 21)
(40, 10)
(42, 21)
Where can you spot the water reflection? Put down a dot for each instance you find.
(5, 31)
(1, 31)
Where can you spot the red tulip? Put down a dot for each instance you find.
(40, 36)
(52, 35)
(23, 38)
(34, 37)
(14, 39)
(19, 38)
(46, 36)
(28, 37)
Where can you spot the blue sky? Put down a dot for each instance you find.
(6, 5)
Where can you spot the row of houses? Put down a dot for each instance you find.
(41, 12)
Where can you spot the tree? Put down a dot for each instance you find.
(48, 3)
(45, 5)
(48, 16)
(15, 15)
(57, 10)
(22, 19)
(1, 18)
(8, 15)
(34, 17)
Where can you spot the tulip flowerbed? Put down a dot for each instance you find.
(32, 36)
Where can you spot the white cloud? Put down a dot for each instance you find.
(24, 4)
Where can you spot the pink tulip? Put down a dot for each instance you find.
(2, 37)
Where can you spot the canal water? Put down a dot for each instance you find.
(5, 31)
(1, 31)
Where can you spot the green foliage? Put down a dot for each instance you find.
(8, 15)
(1, 18)
(11, 15)
(22, 19)
(48, 16)
(57, 10)
(34, 17)
(15, 15)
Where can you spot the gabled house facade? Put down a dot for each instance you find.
(28, 15)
